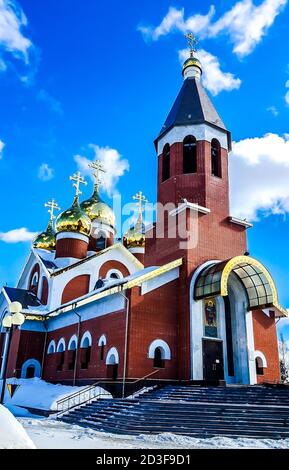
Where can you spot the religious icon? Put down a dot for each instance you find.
(211, 318)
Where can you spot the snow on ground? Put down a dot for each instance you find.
(12, 434)
(36, 393)
(51, 434)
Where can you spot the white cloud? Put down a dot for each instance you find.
(273, 110)
(12, 39)
(246, 24)
(174, 21)
(17, 235)
(45, 173)
(214, 79)
(259, 172)
(2, 145)
(287, 94)
(52, 103)
(114, 164)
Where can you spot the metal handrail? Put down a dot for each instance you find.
(88, 393)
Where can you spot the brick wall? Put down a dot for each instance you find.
(75, 288)
(265, 339)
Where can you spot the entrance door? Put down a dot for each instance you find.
(213, 363)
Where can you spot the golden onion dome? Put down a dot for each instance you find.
(135, 236)
(46, 240)
(74, 219)
(192, 62)
(97, 210)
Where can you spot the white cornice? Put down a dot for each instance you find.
(191, 206)
(242, 222)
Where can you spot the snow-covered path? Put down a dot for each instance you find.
(50, 434)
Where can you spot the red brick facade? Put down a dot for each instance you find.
(71, 248)
(113, 265)
(265, 339)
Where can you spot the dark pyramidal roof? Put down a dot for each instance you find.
(193, 106)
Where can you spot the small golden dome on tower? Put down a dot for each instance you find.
(74, 219)
(94, 207)
(46, 240)
(192, 62)
(135, 236)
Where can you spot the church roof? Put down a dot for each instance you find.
(193, 106)
(25, 297)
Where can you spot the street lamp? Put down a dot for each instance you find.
(14, 319)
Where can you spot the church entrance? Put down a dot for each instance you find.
(213, 363)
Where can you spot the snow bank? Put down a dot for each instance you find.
(12, 434)
(38, 394)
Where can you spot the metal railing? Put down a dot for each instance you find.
(90, 393)
(84, 396)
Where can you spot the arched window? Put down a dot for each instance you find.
(102, 344)
(260, 362)
(166, 162)
(85, 346)
(51, 347)
(112, 361)
(101, 242)
(72, 347)
(158, 361)
(160, 352)
(189, 155)
(216, 158)
(44, 291)
(61, 350)
(30, 369)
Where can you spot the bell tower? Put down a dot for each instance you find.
(193, 149)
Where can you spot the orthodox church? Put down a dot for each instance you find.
(179, 300)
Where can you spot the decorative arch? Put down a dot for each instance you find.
(75, 288)
(61, 345)
(216, 158)
(31, 366)
(189, 155)
(113, 266)
(72, 345)
(166, 162)
(259, 356)
(51, 347)
(86, 340)
(255, 278)
(102, 341)
(164, 348)
(112, 357)
(44, 291)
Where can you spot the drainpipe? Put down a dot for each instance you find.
(44, 349)
(125, 344)
(77, 343)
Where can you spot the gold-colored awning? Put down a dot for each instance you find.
(256, 279)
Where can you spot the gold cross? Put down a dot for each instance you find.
(140, 197)
(52, 206)
(98, 167)
(79, 179)
(192, 40)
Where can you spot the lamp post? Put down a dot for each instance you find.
(14, 319)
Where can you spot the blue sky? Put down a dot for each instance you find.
(76, 73)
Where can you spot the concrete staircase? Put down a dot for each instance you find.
(233, 411)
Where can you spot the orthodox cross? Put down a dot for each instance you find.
(192, 40)
(79, 179)
(140, 197)
(98, 167)
(52, 207)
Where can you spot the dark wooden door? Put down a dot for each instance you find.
(213, 362)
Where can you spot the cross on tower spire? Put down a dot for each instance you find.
(98, 167)
(79, 179)
(192, 41)
(140, 197)
(52, 205)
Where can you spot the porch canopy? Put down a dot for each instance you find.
(257, 281)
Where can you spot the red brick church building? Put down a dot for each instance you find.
(179, 300)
